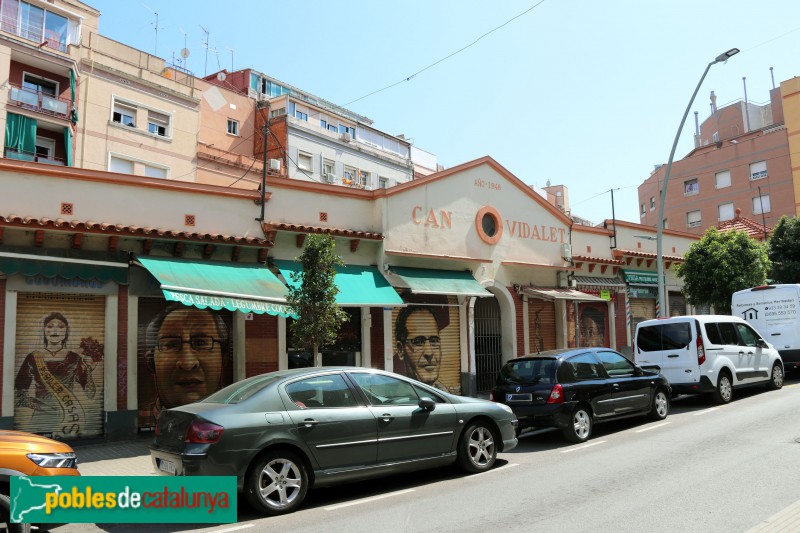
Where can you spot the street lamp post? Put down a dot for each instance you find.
(662, 295)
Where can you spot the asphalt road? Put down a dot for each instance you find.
(706, 468)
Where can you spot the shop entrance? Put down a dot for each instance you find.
(488, 343)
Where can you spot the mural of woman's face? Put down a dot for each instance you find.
(55, 333)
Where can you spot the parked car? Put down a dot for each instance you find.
(774, 311)
(28, 454)
(572, 389)
(707, 354)
(284, 432)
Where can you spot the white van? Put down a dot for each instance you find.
(707, 354)
(774, 310)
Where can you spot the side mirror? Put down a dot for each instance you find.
(761, 343)
(427, 404)
(637, 371)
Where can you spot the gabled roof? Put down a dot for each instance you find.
(755, 230)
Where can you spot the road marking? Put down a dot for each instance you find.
(704, 411)
(661, 425)
(367, 500)
(498, 469)
(595, 443)
(235, 528)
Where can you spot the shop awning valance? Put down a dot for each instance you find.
(358, 285)
(64, 267)
(219, 285)
(552, 293)
(593, 281)
(430, 281)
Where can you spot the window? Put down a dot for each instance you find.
(326, 392)
(715, 137)
(383, 182)
(585, 366)
(39, 85)
(748, 336)
(693, 219)
(327, 167)
(664, 224)
(304, 161)
(124, 114)
(644, 210)
(722, 179)
(725, 211)
(233, 127)
(652, 203)
(297, 112)
(45, 148)
(157, 123)
(615, 364)
(332, 127)
(761, 204)
(123, 166)
(691, 187)
(349, 175)
(667, 336)
(155, 172)
(347, 129)
(323, 124)
(382, 390)
(758, 170)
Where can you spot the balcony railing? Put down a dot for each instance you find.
(42, 103)
(10, 153)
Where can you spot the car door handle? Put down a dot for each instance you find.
(741, 353)
(386, 417)
(616, 385)
(309, 422)
(671, 356)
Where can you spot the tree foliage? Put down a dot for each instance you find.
(314, 299)
(720, 264)
(784, 251)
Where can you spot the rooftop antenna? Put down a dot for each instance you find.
(231, 50)
(205, 67)
(185, 49)
(155, 27)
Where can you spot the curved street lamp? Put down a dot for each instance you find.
(662, 295)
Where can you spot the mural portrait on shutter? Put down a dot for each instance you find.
(427, 345)
(58, 385)
(592, 326)
(184, 356)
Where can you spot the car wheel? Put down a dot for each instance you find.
(477, 450)
(660, 408)
(277, 483)
(580, 425)
(724, 391)
(775, 377)
(5, 517)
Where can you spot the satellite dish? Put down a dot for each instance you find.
(221, 76)
(184, 53)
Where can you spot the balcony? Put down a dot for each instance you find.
(10, 153)
(39, 102)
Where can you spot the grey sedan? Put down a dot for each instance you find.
(284, 432)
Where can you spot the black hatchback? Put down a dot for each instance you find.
(571, 389)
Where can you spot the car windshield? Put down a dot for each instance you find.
(241, 390)
(529, 371)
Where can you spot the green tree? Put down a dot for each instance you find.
(314, 299)
(784, 251)
(719, 264)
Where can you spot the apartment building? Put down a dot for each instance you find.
(741, 164)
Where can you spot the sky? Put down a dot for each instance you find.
(583, 93)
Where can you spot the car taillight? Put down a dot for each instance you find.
(701, 351)
(203, 432)
(556, 395)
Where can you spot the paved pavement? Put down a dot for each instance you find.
(122, 458)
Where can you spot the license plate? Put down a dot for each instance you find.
(166, 466)
(519, 397)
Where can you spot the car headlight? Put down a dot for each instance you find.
(54, 460)
(504, 407)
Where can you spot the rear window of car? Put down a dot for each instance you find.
(241, 390)
(669, 336)
(722, 333)
(529, 371)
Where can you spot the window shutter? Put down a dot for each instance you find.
(294, 155)
(339, 169)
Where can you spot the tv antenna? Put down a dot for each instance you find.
(185, 49)
(231, 50)
(155, 27)
(205, 67)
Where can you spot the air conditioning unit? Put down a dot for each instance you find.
(563, 279)
(275, 164)
(346, 137)
(566, 251)
(331, 178)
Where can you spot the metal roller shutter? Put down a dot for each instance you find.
(541, 325)
(641, 309)
(449, 376)
(677, 304)
(59, 365)
(593, 322)
(488, 343)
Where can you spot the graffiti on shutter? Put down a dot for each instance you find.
(183, 355)
(541, 325)
(427, 342)
(58, 383)
(593, 324)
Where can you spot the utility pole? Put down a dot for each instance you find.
(613, 216)
(264, 167)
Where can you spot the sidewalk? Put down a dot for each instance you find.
(122, 458)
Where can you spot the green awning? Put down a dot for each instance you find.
(430, 281)
(358, 285)
(219, 285)
(64, 267)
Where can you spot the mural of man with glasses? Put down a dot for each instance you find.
(419, 345)
(184, 352)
